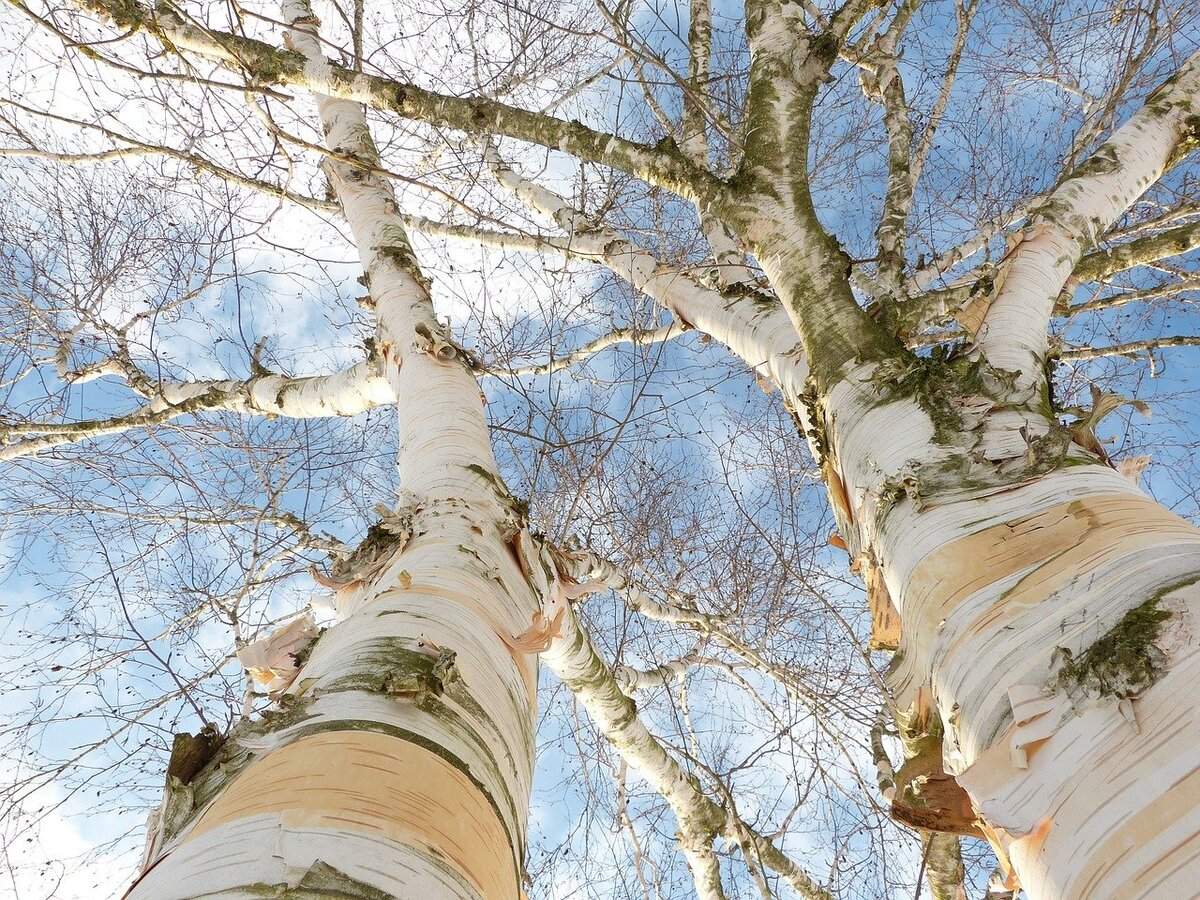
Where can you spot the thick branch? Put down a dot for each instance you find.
(662, 164)
(1079, 211)
(677, 608)
(754, 325)
(1142, 251)
(345, 393)
(430, 376)
(632, 680)
(944, 865)
(578, 664)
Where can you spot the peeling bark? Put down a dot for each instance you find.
(1047, 608)
(399, 762)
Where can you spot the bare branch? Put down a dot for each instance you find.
(347, 393)
(576, 661)
(616, 337)
(1107, 261)
(661, 164)
(1132, 349)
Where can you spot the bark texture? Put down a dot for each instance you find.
(399, 761)
(1042, 609)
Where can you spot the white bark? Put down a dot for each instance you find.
(1078, 212)
(346, 393)
(403, 755)
(988, 590)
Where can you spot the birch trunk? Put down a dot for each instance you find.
(1047, 630)
(1048, 615)
(1053, 626)
(399, 761)
(1047, 624)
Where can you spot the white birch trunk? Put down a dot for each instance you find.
(1083, 767)
(1089, 796)
(401, 758)
(1086, 777)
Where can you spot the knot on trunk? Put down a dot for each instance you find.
(927, 797)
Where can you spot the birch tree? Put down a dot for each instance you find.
(947, 239)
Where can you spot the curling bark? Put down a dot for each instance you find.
(1048, 608)
(400, 758)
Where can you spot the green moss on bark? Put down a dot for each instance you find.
(1122, 663)
(321, 882)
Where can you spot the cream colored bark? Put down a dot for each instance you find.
(400, 759)
(1049, 623)
(1081, 209)
(1084, 773)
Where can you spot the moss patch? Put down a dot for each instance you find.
(320, 881)
(1123, 662)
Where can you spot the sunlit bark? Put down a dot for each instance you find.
(1047, 608)
(400, 760)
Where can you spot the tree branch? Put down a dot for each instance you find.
(1116, 301)
(752, 323)
(134, 147)
(1139, 252)
(964, 16)
(1131, 349)
(616, 337)
(661, 164)
(881, 82)
(345, 393)
(1081, 209)
(578, 664)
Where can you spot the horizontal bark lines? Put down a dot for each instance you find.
(988, 590)
(1088, 795)
(375, 784)
(402, 752)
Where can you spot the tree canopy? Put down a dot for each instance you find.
(194, 428)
